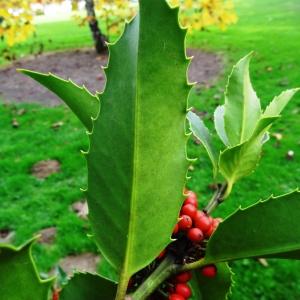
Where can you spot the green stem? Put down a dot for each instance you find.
(166, 269)
(195, 265)
(163, 272)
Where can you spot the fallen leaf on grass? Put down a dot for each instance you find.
(57, 125)
(81, 209)
(15, 123)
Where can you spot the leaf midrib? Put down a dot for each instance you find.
(133, 209)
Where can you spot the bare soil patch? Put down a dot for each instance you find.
(45, 168)
(86, 262)
(47, 235)
(84, 68)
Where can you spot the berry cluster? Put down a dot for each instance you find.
(192, 230)
(179, 289)
(195, 223)
(190, 235)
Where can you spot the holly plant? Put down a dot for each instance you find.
(152, 233)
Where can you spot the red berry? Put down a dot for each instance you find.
(210, 231)
(217, 221)
(176, 297)
(176, 229)
(191, 194)
(195, 235)
(199, 214)
(192, 201)
(183, 277)
(183, 290)
(55, 295)
(185, 222)
(209, 271)
(189, 210)
(202, 222)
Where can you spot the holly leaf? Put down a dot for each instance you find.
(196, 292)
(279, 102)
(216, 288)
(86, 286)
(201, 132)
(241, 160)
(242, 106)
(84, 104)
(18, 275)
(106, 270)
(137, 160)
(265, 232)
(219, 124)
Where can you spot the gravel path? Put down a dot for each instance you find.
(83, 67)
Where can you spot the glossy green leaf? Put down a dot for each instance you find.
(242, 106)
(195, 288)
(106, 270)
(264, 231)
(137, 158)
(18, 275)
(279, 102)
(85, 286)
(220, 125)
(216, 288)
(288, 255)
(201, 132)
(241, 160)
(79, 99)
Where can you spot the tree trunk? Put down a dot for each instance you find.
(98, 37)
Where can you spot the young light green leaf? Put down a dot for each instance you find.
(85, 286)
(19, 278)
(216, 288)
(241, 160)
(264, 232)
(137, 160)
(79, 99)
(279, 102)
(242, 106)
(219, 124)
(201, 132)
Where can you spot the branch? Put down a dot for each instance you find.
(217, 198)
(163, 272)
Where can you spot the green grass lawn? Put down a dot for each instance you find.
(271, 29)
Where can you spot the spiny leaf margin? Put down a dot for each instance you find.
(169, 224)
(219, 245)
(18, 289)
(81, 101)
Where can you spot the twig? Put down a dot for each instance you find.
(217, 198)
(163, 272)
